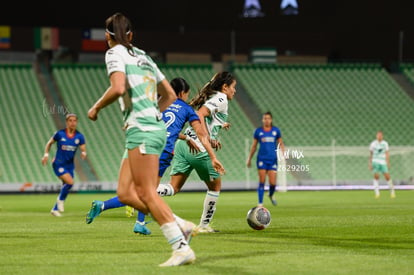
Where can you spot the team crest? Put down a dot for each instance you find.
(77, 141)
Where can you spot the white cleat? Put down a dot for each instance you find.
(204, 229)
(180, 258)
(60, 205)
(188, 231)
(55, 213)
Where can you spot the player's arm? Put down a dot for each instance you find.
(47, 149)
(200, 128)
(281, 146)
(115, 90)
(167, 95)
(370, 160)
(251, 153)
(83, 151)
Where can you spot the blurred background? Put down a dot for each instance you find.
(331, 72)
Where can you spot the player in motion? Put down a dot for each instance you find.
(142, 91)
(211, 104)
(68, 141)
(379, 163)
(269, 138)
(175, 117)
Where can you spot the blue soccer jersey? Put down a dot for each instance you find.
(175, 117)
(268, 143)
(67, 146)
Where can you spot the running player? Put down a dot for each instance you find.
(269, 138)
(68, 141)
(212, 108)
(175, 117)
(379, 163)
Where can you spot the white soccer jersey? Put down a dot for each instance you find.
(378, 150)
(218, 106)
(139, 104)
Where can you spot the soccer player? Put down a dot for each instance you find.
(379, 163)
(175, 118)
(68, 141)
(211, 104)
(269, 138)
(142, 91)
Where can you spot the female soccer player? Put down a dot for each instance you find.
(143, 92)
(175, 117)
(68, 140)
(379, 163)
(269, 138)
(212, 108)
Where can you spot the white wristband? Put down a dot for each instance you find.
(83, 153)
(187, 138)
(46, 155)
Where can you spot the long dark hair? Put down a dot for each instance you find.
(119, 27)
(179, 85)
(211, 88)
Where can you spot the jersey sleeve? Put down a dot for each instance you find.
(279, 133)
(114, 62)
(217, 104)
(56, 136)
(371, 147)
(191, 114)
(256, 133)
(387, 147)
(81, 139)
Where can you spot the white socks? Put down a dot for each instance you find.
(174, 236)
(376, 187)
(209, 207)
(165, 190)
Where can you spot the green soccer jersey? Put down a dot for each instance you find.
(139, 104)
(378, 149)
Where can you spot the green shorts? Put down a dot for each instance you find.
(151, 143)
(184, 162)
(379, 168)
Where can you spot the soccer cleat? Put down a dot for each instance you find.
(392, 194)
(129, 211)
(377, 196)
(55, 213)
(141, 228)
(188, 231)
(273, 200)
(60, 205)
(94, 212)
(180, 258)
(204, 229)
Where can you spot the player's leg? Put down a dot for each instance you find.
(66, 176)
(145, 180)
(261, 186)
(376, 184)
(272, 177)
(98, 206)
(390, 184)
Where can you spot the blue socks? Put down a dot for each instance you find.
(260, 192)
(64, 191)
(112, 203)
(272, 189)
(141, 217)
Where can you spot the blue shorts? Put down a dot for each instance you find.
(165, 162)
(61, 169)
(266, 164)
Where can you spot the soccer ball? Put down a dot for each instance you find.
(258, 217)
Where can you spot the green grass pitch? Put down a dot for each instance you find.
(312, 232)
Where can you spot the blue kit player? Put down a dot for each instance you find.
(175, 117)
(269, 138)
(68, 141)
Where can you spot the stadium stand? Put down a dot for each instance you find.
(27, 124)
(316, 106)
(329, 113)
